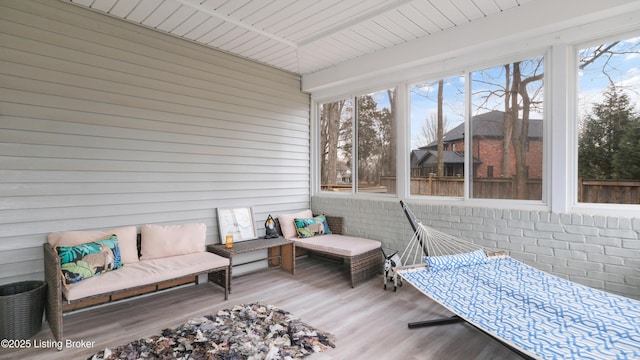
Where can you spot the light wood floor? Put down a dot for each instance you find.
(368, 322)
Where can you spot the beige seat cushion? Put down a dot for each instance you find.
(145, 272)
(127, 240)
(287, 225)
(160, 241)
(338, 244)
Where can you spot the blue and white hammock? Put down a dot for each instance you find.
(537, 314)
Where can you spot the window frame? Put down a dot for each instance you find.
(604, 209)
(545, 200)
(403, 141)
(407, 140)
(316, 163)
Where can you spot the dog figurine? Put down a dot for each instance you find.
(390, 263)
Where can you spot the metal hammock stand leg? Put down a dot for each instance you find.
(416, 250)
(430, 242)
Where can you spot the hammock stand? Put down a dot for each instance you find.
(419, 243)
(533, 313)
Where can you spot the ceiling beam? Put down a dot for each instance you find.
(224, 17)
(351, 22)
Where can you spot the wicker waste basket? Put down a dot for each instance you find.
(21, 309)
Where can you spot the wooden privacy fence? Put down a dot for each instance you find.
(490, 188)
(609, 191)
(438, 186)
(504, 188)
(589, 191)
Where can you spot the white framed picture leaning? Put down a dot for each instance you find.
(237, 222)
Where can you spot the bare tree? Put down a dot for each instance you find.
(609, 55)
(329, 134)
(391, 157)
(520, 137)
(429, 127)
(520, 97)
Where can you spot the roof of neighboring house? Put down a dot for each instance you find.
(417, 155)
(487, 125)
(450, 157)
(421, 157)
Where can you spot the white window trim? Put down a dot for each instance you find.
(544, 203)
(315, 144)
(631, 210)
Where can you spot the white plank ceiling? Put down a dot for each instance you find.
(300, 36)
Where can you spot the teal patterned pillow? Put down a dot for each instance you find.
(312, 227)
(453, 261)
(86, 260)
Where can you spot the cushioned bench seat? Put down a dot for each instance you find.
(91, 267)
(363, 255)
(145, 272)
(341, 245)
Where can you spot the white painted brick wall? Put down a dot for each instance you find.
(598, 251)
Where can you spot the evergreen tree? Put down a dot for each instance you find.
(608, 138)
(627, 160)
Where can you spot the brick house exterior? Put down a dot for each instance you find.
(487, 150)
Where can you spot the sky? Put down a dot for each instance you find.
(623, 69)
(423, 98)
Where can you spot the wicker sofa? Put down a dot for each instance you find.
(364, 256)
(158, 258)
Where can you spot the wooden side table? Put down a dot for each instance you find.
(281, 254)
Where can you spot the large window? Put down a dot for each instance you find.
(372, 116)
(507, 131)
(501, 156)
(609, 123)
(437, 138)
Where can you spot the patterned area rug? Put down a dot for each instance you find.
(252, 331)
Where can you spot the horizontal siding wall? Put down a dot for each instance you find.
(104, 124)
(598, 251)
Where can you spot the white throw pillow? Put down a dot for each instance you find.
(159, 241)
(288, 226)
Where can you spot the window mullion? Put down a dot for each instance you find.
(468, 143)
(354, 148)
